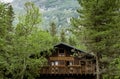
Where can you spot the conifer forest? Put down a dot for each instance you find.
(29, 29)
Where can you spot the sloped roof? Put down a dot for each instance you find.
(68, 46)
(72, 47)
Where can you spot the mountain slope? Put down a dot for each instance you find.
(58, 11)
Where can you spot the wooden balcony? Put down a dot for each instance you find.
(61, 58)
(74, 69)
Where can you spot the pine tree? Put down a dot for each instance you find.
(100, 21)
(63, 36)
(53, 33)
(6, 34)
(53, 30)
(72, 41)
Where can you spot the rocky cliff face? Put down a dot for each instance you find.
(58, 11)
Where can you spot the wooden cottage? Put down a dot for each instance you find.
(68, 62)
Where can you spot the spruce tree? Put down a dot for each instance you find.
(100, 19)
(53, 29)
(53, 32)
(6, 34)
(62, 36)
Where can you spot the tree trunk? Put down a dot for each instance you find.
(97, 67)
(24, 68)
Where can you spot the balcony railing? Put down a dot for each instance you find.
(74, 69)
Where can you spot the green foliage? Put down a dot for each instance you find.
(6, 34)
(32, 13)
(30, 40)
(53, 30)
(115, 68)
(96, 17)
(21, 47)
(6, 18)
(99, 20)
(63, 36)
(72, 41)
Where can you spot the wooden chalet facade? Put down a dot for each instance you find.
(67, 62)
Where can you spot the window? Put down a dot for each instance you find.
(52, 63)
(69, 63)
(82, 63)
(56, 63)
(61, 52)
